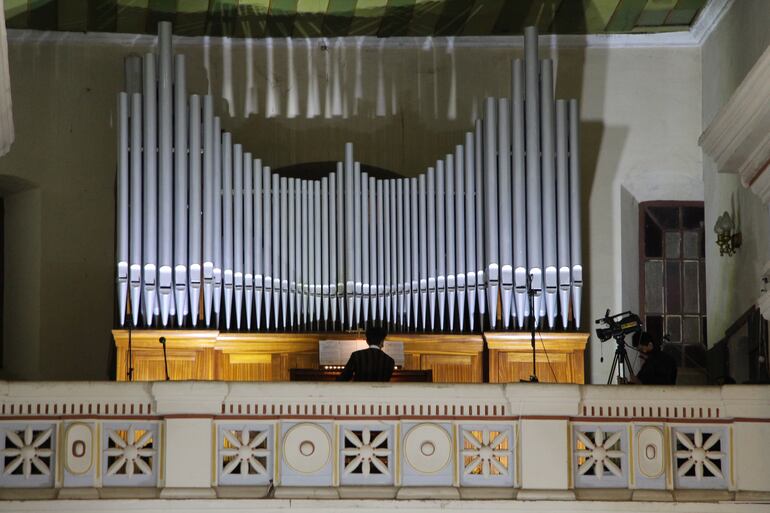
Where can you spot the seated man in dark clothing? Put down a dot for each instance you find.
(371, 364)
(659, 368)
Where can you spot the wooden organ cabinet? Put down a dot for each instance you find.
(215, 355)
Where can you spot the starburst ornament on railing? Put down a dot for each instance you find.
(366, 452)
(599, 453)
(696, 454)
(485, 454)
(28, 451)
(132, 451)
(246, 451)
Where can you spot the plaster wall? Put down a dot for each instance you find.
(21, 291)
(403, 105)
(733, 282)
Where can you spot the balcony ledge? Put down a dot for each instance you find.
(280, 443)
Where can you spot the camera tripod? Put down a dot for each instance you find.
(620, 361)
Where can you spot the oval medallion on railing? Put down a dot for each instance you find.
(649, 445)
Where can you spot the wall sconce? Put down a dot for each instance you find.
(728, 239)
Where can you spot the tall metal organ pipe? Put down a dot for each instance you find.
(549, 189)
(150, 182)
(195, 207)
(575, 232)
(180, 189)
(505, 214)
(122, 207)
(520, 277)
(165, 173)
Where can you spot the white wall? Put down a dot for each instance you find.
(727, 56)
(641, 117)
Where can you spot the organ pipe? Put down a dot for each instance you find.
(259, 230)
(194, 208)
(431, 196)
(406, 239)
(470, 224)
(324, 246)
(237, 199)
(504, 210)
(366, 254)
(548, 189)
(165, 172)
(357, 242)
(248, 236)
(532, 120)
(414, 244)
(295, 260)
(267, 243)
(217, 191)
(284, 247)
(461, 231)
(423, 230)
(180, 189)
(479, 199)
(275, 201)
(208, 207)
(122, 207)
(440, 241)
(562, 208)
(574, 192)
(491, 213)
(135, 209)
(150, 182)
(227, 224)
(519, 193)
(449, 209)
(316, 245)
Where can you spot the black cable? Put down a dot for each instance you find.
(130, 371)
(540, 334)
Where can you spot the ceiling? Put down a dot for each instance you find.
(382, 18)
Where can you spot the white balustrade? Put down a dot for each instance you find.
(285, 440)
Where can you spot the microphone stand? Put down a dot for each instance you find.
(162, 341)
(531, 294)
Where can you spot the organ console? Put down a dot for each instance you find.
(206, 231)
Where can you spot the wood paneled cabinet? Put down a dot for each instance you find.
(214, 355)
(558, 356)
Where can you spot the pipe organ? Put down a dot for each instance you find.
(207, 235)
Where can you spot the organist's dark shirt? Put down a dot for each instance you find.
(371, 364)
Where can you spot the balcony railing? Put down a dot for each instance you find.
(383, 441)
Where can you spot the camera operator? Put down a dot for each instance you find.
(659, 368)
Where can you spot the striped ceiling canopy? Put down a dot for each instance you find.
(382, 18)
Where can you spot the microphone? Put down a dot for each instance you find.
(162, 341)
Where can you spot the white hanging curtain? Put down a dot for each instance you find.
(6, 116)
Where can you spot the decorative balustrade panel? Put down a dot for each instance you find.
(379, 437)
(367, 453)
(28, 454)
(129, 453)
(701, 456)
(245, 453)
(600, 455)
(486, 454)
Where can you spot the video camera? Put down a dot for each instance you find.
(619, 325)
